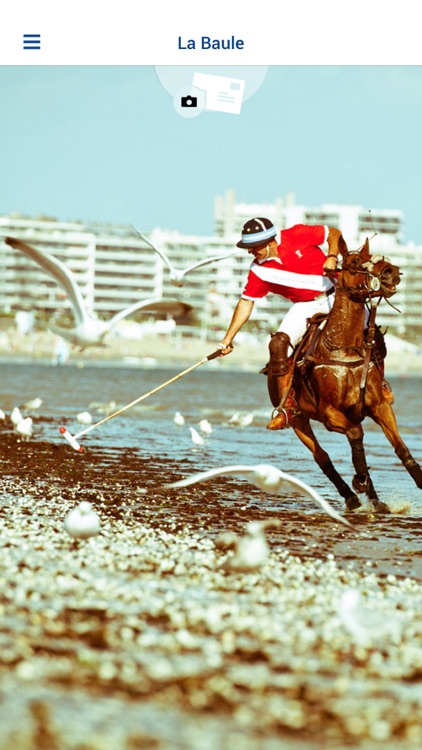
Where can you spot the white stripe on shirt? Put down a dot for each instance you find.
(288, 278)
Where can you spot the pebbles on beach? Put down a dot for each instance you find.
(145, 613)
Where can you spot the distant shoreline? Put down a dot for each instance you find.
(164, 351)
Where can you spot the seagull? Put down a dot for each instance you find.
(269, 479)
(365, 625)
(84, 417)
(82, 522)
(89, 331)
(179, 419)
(205, 427)
(251, 550)
(16, 416)
(25, 428)
(197, 439)
(246, 419)
(2, 414)
(235, 418)
(177, 274)
(34, 403)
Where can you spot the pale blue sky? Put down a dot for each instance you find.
(105, 144)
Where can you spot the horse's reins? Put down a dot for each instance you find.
(369, 344)
(365, 288)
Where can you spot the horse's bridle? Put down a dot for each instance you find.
(371, 281)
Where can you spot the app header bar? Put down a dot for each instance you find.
(188, 32)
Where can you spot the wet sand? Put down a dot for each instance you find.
(139, 638)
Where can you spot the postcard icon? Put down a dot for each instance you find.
(222, 94)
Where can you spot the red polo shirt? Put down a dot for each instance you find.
(297, 272)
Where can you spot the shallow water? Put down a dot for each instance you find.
(144, 447)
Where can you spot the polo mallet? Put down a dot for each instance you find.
(73, 439)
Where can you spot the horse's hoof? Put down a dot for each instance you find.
(360, 484)
(353, 502)
(380, 507)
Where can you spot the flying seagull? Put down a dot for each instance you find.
(89, 331)
(269, 479)
(177, 274)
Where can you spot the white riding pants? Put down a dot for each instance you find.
(294, 322)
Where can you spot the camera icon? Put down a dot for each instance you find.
(189, 101)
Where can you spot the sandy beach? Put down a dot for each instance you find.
(140, 637)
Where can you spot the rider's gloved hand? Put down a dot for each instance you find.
(330, 264)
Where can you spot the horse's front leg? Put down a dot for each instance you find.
(336, 420)
(304, 431)
(362, 481)
(384, 416)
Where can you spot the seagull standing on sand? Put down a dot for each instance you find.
(269, 479)
(235, 418)
(177, 275)
(82, 522)
(25, 428)
(179, 419)
(197, 439)
(33, 404)
(84, 417)
(16, 416)
(251, 550)
(89, 331)
(205, 427)
(246, 419)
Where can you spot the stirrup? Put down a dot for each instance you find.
(280, 420)
(283, 417)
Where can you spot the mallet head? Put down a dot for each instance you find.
(70, 439)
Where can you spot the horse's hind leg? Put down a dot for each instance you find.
(306, 435)
(362, 481)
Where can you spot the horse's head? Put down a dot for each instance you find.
(364, 275)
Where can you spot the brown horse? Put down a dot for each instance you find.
(336, 379)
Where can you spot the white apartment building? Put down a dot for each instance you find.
(115, 268)
(355, 222)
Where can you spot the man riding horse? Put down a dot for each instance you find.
(296, 269)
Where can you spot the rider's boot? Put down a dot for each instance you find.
(281, 366)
